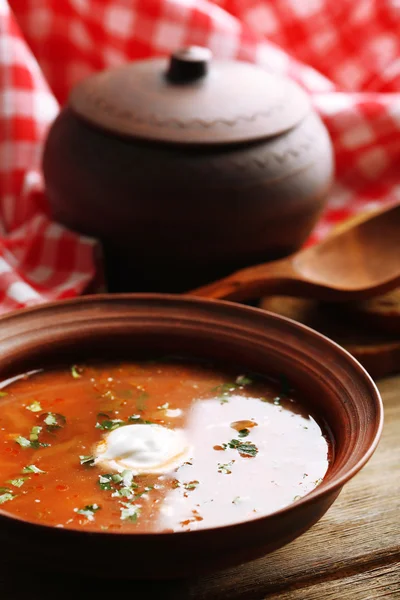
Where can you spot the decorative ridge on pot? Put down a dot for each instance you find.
(191, 99)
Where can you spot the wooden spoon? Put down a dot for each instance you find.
(358, 262)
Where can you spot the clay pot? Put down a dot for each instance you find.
(187, 168)
(338, 391)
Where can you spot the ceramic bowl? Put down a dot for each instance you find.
(338, 388)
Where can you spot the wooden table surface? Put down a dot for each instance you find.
(353, 553)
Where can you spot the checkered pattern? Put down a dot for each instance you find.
(345, 53)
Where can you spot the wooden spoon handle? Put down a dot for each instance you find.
(253, 282)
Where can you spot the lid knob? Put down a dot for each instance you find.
(188, 64)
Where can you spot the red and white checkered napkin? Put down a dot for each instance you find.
(345, 53)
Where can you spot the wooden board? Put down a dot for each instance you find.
(353, 553)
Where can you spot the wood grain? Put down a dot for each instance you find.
(353, 553)
(377, 349)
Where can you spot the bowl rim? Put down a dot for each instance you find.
(323, 490)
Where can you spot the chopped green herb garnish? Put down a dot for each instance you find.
(32, 469)
(87, 460)
(296, 498)
(225, 468)
(18, 482)
(117, 478)
(6, 497)
(105, 482)
(244, 448)
(33, 441)
(3, 394)
(34, 406)
(127, 478)
(4, 489)
(108, 482)
(124, 492)
(34, 434)
(110, 424)
(318, 481)
(137, 420)
(243, 380)
(236, 500)
(225, 388)
(243, 433)
(88, 511)
(141, 401)
(224, 391)
(54, 421)
(23, 442)
(76, 372)
(129, 512)
(191, 485)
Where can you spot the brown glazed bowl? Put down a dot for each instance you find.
(338, 389)
(187, 169)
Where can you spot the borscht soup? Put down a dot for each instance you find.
(154, 446)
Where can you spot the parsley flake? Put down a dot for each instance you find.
(243, 433)
(88, 511)
(3, 394)
(225, 468)
(22, 441)
(19, 482)
(33, 441)
(105, 482)
(88, 460)
(76, 372)
(246, 449)
(124, 492)
(127, 478)
(6, 497)
(34, 406)
(110, 424)
(129, 512)
(34, 434)
(191, 485)
(32, 469)
(54, 421)
(137, 420)
(224, 391)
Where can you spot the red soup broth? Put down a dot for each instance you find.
(251, 447)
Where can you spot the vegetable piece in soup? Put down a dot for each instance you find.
(154, 446)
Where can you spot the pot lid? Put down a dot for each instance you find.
(190, 99)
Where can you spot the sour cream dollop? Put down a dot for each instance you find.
(143, 448)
